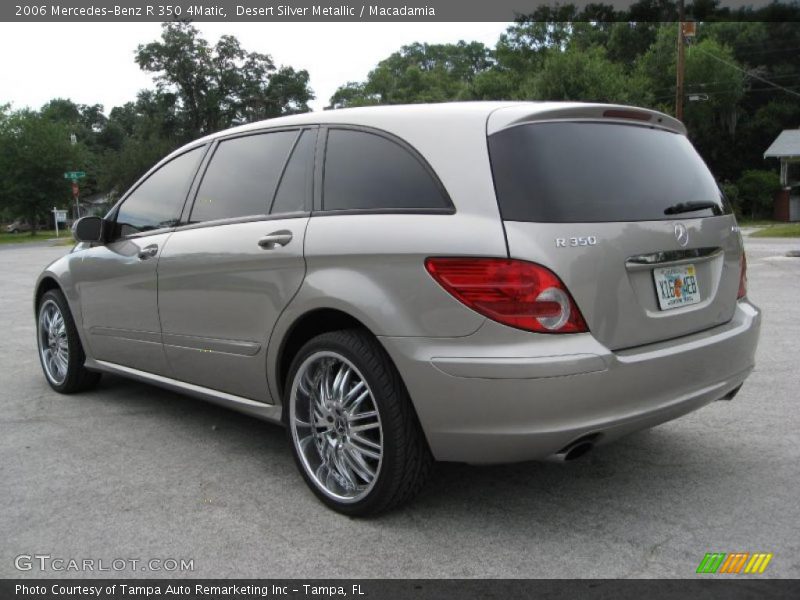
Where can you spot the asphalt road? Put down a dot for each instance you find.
(133, 472)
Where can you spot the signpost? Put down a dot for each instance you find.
(59, 216)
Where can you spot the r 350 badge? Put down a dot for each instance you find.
(588, 240)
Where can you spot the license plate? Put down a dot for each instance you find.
(676, 286)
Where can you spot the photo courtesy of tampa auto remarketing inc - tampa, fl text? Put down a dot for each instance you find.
(414, 300)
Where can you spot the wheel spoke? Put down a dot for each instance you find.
(358, 464)
(365, 415)
(365, 427)
(365, 447)
(305, 384)
(339, 381)
(357, 402)
(356, 389)
(342, 468)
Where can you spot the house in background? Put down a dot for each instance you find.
(786, 148)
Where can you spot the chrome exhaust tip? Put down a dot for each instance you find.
(732, 394)
(575, 449)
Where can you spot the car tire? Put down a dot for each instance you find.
(60, 351)
(352, 428)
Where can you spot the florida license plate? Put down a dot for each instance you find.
(676, 286)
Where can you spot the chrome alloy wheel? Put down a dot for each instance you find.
(53, 342)
(336, 426)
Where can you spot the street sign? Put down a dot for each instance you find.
(74, 175)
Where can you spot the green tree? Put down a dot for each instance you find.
(756, 190)
(34, 154)
(221, 85)
(139, 134)
(419, 73)
(583, 75)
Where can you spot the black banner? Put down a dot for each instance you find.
(416, 589)
(392, 10)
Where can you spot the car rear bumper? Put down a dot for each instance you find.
(502, 395)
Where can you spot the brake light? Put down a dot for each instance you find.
(513, 292)
(615, 113)
(742, 277)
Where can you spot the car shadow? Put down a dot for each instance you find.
(612, 484)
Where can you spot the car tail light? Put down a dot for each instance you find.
(513, 292)
(742, 277)
(616, 113)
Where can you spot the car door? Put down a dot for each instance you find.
(117, 280)
(227, 273)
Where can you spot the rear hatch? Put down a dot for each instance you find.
(626, 213)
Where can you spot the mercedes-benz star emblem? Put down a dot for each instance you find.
(681, 234)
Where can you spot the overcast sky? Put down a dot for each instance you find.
(93, 62)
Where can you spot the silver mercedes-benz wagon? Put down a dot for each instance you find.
(477, 282)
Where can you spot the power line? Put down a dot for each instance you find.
(721, 93)
(758, 77)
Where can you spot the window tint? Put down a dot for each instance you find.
(158, 201)
(596, 172)
(242, 175)
(368, 171)
(295, 187)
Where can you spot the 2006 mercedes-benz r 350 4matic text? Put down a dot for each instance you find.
(478, 282)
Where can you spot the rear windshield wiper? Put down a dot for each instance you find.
(684, 207)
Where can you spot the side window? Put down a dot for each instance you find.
(158, 201)
(241, 178)
(295, 186)
(368, 171)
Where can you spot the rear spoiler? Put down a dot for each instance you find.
(533, 112)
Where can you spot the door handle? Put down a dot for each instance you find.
(276, 238)
(148, 252)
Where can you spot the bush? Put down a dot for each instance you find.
(732, 194)
(756, 190)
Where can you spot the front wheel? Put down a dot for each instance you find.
(353, 431)
(60, 349)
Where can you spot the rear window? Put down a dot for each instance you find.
(598, 172)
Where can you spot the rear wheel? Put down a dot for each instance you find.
(353, 431)
(60, 350)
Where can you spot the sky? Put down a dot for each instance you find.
(93, 63)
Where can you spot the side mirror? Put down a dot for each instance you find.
(88, 229)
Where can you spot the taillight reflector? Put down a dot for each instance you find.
(742, 277)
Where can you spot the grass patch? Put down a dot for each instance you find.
(40, 236)
(783, 230)
(742, 222)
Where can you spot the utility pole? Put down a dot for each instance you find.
(73, 140)
(680, 69)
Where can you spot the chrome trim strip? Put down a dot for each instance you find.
(239, 347)
(127, 334)
(261, 410)
(670, 258)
